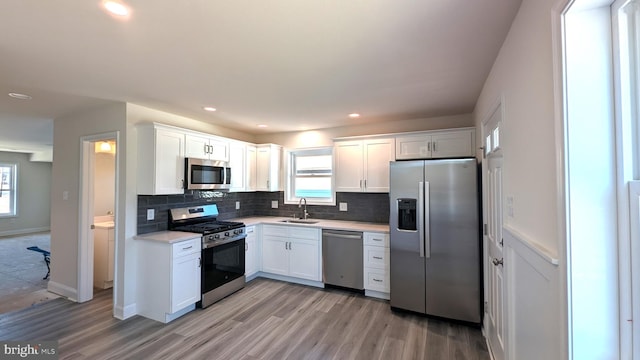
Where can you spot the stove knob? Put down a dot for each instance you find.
(216, 236)
(210, 237)
(226, 233)
(239, 231)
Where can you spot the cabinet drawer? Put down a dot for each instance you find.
(297, 232)
(376, 239)
(274, 230)
(377, 280)
(376, 257)
(186, 247)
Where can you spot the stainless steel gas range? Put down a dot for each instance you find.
(223, 249)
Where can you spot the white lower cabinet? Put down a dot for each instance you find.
(103, 257)
(291, 251)
(252, 253)
(168, 278)
(376, 264)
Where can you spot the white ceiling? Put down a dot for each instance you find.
(290, 64)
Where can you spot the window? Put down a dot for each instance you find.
(8, 174)
(310, 176)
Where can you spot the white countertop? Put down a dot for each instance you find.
(168, 237)
(104, 225)
(321, 223)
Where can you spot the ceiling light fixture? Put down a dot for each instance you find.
(209, 108)
(116, 8)
(354, 115)
(20, 96)
(262, 126)
(105, 146)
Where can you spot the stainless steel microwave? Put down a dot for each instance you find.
(201, 174)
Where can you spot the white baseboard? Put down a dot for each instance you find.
(125, 312)
(63, 290)
(25, 231)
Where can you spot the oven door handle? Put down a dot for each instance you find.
(221, 242)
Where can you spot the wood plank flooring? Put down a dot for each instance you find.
(266, 320)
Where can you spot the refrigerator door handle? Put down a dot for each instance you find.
(426, 223)
(420, 217)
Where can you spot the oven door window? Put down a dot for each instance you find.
(221, 264)
(203, 174)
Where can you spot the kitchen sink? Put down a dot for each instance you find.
(298, 221)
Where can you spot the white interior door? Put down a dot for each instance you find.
(495, 301)
(493, 216)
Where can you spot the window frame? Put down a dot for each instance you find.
(290, 175)
(13, 190)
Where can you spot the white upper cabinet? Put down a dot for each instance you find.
(160, 160)
(268, 160)
(251, 168)
(202, 146)
(237, 163)
(363, 165)
(436, 144)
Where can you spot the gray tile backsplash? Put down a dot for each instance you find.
(369, 207)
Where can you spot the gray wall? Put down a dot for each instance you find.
(34, 196)
(367, 207)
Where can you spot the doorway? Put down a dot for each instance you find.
(98, 214)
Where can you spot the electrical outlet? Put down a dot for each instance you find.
(274, 204)
(237, 205)
(151, 214)
(343, 206)
(65, 195)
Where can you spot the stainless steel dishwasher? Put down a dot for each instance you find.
(342, 258)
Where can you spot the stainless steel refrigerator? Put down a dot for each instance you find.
(435, 238)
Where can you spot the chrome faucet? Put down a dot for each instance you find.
(305, 213)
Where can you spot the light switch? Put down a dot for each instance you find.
(151, 214)
(237, 205)
(65, 195)
(343, 206)
(274, 204)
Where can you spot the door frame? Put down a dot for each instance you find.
(85, 214)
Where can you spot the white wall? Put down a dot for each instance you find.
(104, 182)
(34, 196)
(523, 77)
(323, 137)
(67, 132)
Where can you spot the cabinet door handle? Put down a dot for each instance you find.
(377, 257)
(187, 248)
(375, 239)
(434, 146)
(377, 280)
(429, 146)
(286, 245)
(246, 247)
(199, 262)
(361, 184)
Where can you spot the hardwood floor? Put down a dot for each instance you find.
(265, 320)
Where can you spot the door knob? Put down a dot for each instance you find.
(497, 262)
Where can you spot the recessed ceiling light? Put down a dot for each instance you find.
(262, 126)
(20, 96)
(354, 115)
(209, 108)
(116, 7)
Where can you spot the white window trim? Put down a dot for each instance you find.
(289, 195)
(14, 198)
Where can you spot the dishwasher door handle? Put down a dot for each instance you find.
(339, 235)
